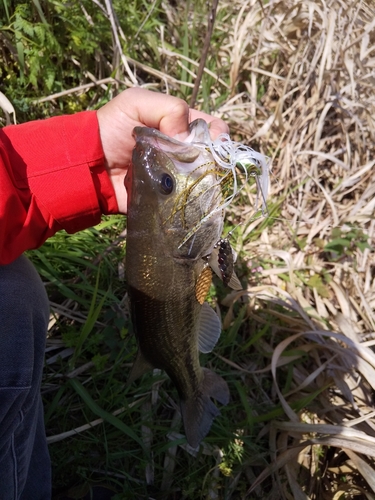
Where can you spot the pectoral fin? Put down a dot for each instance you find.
(139, 368)
(209, 329)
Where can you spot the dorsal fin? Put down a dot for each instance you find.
(209, 329)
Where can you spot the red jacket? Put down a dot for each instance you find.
(52, 177)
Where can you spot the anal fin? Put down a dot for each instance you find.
(139, 368)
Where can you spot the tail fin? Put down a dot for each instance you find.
(199, 411)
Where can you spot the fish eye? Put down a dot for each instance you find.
(166, 183)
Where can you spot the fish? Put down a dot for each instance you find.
(174, 224)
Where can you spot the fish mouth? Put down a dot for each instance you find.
(178, 150)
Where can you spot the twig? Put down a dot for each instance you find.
(75, 89)
(109, 7)
(98, 4)
(206, 46)
(170, 53)
(145, 19)
(85, 427)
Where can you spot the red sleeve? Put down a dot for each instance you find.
(52, 177)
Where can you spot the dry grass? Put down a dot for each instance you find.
(313, 65)
(301, 87)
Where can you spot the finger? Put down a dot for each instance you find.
(167, 113)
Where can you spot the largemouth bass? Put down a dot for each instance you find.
(172, 187)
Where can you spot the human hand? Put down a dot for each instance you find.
(139, 107)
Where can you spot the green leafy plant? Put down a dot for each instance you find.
(345, 241)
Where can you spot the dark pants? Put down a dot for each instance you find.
(25, 469)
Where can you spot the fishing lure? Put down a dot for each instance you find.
(221, 260)
(231, 157)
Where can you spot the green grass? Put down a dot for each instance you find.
(114, 450)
